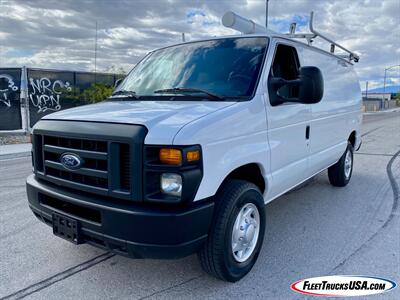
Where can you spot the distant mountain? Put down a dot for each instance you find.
(389, 89)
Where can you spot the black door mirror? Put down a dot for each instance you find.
(117, 82)
(311, 88)
(308, 88)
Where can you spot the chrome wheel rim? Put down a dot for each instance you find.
(245, 232)
(348, 163)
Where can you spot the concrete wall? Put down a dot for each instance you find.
(386, 96)
(376, 104)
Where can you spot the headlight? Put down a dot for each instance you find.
(172, 174)
(171, 184)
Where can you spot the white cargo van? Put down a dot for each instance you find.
(192, 145)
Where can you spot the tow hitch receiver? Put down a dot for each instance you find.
(66, 228)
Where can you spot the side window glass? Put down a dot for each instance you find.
(286, 65)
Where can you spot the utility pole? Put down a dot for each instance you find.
(183, 37)
(95, 55)
(384, 82)
(266, 14)
(366, 89)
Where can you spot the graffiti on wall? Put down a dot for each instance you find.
(45, 94)
(7, 86)
(47, 91)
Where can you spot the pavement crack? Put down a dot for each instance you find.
(374, 154)
(171, 287)
(58, 277)
(370, 131)
(395, 187)
(393, 213)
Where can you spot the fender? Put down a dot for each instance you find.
(229, 141)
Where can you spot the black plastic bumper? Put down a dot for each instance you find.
(123, 227)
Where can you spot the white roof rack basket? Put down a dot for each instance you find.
(350, 56)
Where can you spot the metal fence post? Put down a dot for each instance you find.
(25, 98)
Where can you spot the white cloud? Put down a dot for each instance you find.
(60, 34)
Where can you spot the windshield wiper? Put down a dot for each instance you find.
(179, 90)
(123, 94)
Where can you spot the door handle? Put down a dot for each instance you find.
(308, 132)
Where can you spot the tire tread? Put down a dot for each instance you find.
(336, 174)
(211, 254)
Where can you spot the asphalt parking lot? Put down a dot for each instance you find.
(314, 230)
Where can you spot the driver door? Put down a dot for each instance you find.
(288, 124)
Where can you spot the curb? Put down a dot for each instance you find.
(6, 133)
(381, 111)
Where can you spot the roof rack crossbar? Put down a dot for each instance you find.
(314, 33)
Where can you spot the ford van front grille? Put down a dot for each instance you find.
(92, 175)
(90, 158)
(93, 171)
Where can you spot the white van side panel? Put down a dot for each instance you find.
(287, 125)
(230, 138)
(339, 112)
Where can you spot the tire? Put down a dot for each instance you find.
(216, 256)
(339, 174)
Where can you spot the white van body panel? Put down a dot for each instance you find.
(338, 114)
(286, 131)
(163, 119)
(293, 158)
(230, 138)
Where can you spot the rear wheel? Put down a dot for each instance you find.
(340, 173)
(237, 233)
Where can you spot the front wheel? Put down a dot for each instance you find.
(237, 232)
(340, 173)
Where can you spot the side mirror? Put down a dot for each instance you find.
(311, 89)
(307, 89)
(117, 82)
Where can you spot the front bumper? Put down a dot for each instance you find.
(131, 229)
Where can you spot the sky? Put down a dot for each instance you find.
(61, 34)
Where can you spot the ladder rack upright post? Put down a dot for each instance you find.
(314, 34)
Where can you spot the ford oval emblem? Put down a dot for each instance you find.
(71, 161)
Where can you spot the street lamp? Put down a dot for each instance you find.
(384, 80)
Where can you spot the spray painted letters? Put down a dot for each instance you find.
(7, 86)
(45, 94)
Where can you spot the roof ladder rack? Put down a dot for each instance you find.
(351, 56)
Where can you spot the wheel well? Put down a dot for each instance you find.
(352, 138)
(251, 173)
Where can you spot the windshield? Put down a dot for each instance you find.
(225, 67)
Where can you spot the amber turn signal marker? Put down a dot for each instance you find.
(193, 155)
(170, 156)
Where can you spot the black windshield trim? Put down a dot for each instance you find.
(176, 97)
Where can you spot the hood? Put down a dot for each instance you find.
(163, 119)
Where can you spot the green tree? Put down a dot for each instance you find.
(97, 92)
(397, 98)
(116, 70)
